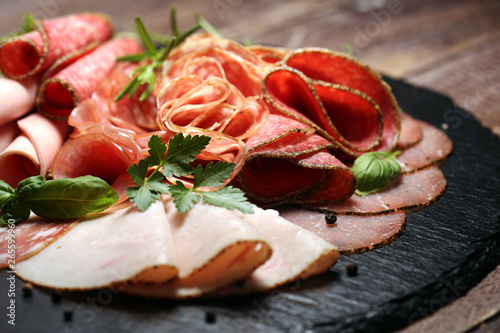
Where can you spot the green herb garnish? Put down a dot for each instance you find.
(153, 57)
(176, 162)
(28, 24)
(375, 170)
(58, 199)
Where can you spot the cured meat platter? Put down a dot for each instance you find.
(445, 249)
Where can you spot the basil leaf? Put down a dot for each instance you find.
(72, 197)
(14, 209)
(28, 187)
(6, 192)
(374, 171)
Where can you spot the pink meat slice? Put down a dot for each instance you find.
(8, 133)
(349, 233)
(32, 153)
(18, 98)
(413, 190)
(411, 132)
(30, 238)
(36, 51)
(64, 90)
(435, 147)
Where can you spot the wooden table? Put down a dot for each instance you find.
(452, 47)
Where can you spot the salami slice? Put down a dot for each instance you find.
(64, 90)
(349, 233)
(36, 51)
(325, 67)
(18, 98)
(413, 190)
(26, 239)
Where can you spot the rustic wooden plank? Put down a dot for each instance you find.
(473, 81)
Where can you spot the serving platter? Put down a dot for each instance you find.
(445, 250)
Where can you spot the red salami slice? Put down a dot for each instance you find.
(413, 190)
(36, 51)
(60, 93)
(434, 147)
(28, 238)
(349, 233)
(322, 65)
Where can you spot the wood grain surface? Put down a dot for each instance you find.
(450, 46)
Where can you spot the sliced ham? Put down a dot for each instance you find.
(33, 151)
(18, 98)
(36, 51)
(60, 92)
(8, 133)
(434, 147)
(414, 190)
(349, 233)
(214, 247)
(28, 238)
(104, 249)
(297, 254)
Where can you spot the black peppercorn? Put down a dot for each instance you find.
(352, 269)
(210, 316)
(330, 218)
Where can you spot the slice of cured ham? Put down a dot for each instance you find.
(349, 233)
(18, 98)
(126, 245)
(36, 51)
(62, 91)
(32, 152)
(214, 247)
(8, 133)
(411, 132)
(297, 254)
(434, 147)
(28, 238)
(413, 190)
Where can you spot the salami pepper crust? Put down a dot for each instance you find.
(39, 49)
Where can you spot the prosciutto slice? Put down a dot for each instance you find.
(18, 98)
(106, 249)
(349, 233)
(28, 238)
(33, 151)
(411, 132)
(413, 190)
(62, 91)
(36, 51)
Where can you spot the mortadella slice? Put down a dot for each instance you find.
(36, 51)
(62, 91)
(33, 151)
(106, 249)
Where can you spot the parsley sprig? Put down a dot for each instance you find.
(176, 162)
(154, 56)
(28, 24)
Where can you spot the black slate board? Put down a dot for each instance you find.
(445, 250)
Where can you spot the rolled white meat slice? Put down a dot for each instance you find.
(8, 133)
(297, 254)
(18, 98)
(214, 247)
(126, 245)
(33, 151)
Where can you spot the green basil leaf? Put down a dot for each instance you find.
(28, 187)
(14, 209)
(374, 171)
(72, 197)
(6, 192)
